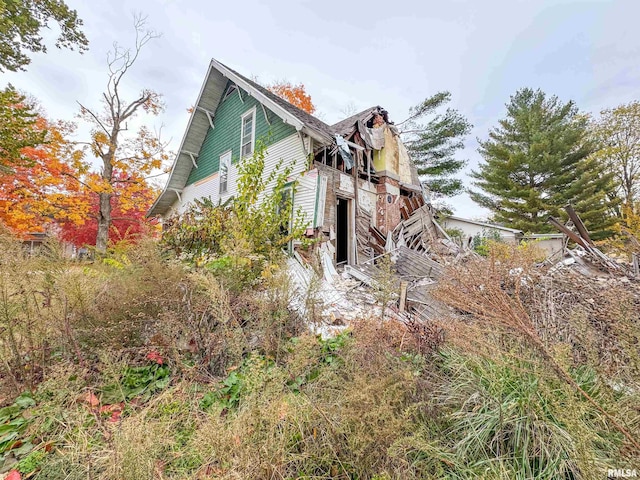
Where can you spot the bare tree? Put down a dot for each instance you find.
(125, 157)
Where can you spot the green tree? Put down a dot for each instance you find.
(433, 145)
(18, 129)
(539, 159)
(617, 132)
(20, 25)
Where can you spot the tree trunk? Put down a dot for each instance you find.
(104, 222)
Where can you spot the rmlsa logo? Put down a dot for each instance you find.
(622, 473)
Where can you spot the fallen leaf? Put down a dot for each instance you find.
(155, 357)
(91, 399)
(13, 475)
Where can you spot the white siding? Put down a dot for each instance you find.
(305, 198)
(289, 150)
(207, 187)
(470, 229)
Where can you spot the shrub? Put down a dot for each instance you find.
(239, 240)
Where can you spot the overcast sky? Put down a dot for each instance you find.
(391, 53)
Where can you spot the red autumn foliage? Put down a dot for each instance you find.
(155, 357)
(128, 214)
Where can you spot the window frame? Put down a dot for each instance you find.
(224, 165)
(249, 113)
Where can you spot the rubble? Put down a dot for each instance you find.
(420, 251)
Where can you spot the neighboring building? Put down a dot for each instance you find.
(33, 241)
(551, 243)
(472, 228)
(355, 178)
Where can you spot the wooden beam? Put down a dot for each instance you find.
(572, 235)
(266, 117)
(178, 192)
(304, 147)
(209, 115)
(403, 295)
(577, 221)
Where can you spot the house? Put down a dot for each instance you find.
(355, 180)
(552, 244)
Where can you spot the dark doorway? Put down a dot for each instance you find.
(342, 231)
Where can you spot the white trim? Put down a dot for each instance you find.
(193, 158)
(178, 192)
(266, 117)
(251, 112)
(184, 138)
(273, 106)
(209, 115)
(228, 92)
(304, 145)
(227, 157)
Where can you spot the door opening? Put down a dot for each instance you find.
(342, 231)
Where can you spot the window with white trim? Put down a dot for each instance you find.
(225, 166)
(247, 138)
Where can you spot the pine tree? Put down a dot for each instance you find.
(433, 146)
(539, 159)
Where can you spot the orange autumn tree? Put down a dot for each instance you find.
(294, 94)
(40, 190)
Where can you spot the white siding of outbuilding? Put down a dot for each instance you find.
(471, 229)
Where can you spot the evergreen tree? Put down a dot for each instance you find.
(539, 159)
(18, 129)
(433, 145)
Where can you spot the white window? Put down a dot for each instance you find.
(225, 165)
(247, 138)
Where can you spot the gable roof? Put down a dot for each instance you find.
(307, 119)
(211, 92)
(346, 126)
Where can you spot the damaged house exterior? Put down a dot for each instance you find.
(356, 184)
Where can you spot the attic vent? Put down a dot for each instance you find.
(232, 88)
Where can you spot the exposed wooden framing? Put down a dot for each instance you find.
(577, 221)
(572, 235)
(266, 117)
(354, 145)
(403, 295)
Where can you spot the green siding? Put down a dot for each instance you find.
(226, 134)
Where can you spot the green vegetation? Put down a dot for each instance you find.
(142, 367)
(18, 129)
(20, 26)
(539, 159)
(241, 240)
(433, 146)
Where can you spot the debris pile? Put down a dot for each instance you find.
(419, 251)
